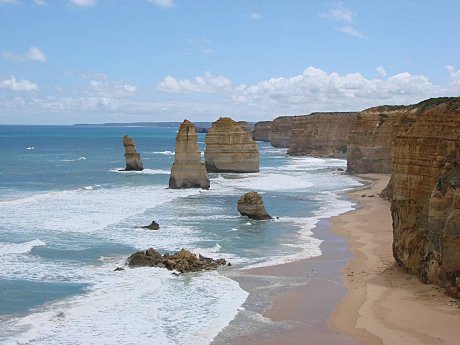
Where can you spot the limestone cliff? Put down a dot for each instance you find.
(262, 131)
(187, 170)
(230, 149)
(369, 142)
(426, 192)
(133, 159)
(280, 131)
(321, 134)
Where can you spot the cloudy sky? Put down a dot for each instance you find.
(94, 61)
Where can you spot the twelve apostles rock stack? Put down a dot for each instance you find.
(426, 192)
(252, 206)
(187, 170)
(133, 159)
(230, 149)
(261, 131)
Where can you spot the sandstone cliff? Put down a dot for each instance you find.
(262, 131)
(426, 192)
(321, 134)
(280, 131)
(369, 142)
(230, 149)
(133, 159)
(187, 170)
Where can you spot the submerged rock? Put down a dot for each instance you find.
(152, 226)
(182, 261)
(133, 159)
(252, 206)
(187, 170)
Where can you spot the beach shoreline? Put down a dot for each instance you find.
(353, 293)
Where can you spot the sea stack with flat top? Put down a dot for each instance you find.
(187, 170)
(229, 148)
(133, 159)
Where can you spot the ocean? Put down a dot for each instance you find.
(69, 217)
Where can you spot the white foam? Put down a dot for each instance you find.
(30, 148)
(19, 248)
(142, 305)
(166, 153)
(265, 182)
(74, 160)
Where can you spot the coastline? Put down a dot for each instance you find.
(352, 294)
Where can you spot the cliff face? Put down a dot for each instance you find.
(187, 170)
(262, 131)
(321, 134)
(230, 149)
(280, 131)
(369, 142)
(426, 192)
(133, 159)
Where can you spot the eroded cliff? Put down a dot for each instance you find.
(132, 157)
(280, 131)
(230, 149)
(426, 192)
(262, 131)
(321, 134)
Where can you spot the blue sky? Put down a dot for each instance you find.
(94, 61)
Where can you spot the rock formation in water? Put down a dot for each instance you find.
(187, 170)
(152, 226)
(182, 261)
(230, 149)
(426, 192)
(245, 126)
(133, 159)
(369, 142)
(321, 134)
(252, 206)
(280, 131)
(261, 131)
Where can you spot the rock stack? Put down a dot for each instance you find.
(230, 149)
(252, 206)
(187, 170)
(262, 131)
(133, 159)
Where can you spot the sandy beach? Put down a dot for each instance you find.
(357, 298)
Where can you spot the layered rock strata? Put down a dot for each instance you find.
(280, 131)
(369, 142)
(252, 206)
(187, 170)
(321, 134)
(230, 149)
(183, 261)
(261, 131)
(426, 192)
(133, 159)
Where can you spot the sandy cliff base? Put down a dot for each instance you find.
(384, 305)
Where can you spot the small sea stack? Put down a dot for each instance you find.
(252, 206)
(229, 148)
(133, 159)
(152, 226)
(187, 170)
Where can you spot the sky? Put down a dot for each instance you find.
(96, 61)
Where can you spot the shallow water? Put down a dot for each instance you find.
(69, 217)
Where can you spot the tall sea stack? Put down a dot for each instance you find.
(133, 159)
(230, 149)
(187, 170)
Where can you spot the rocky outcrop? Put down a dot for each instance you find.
(426, 192)
(280, 131)
(321, 134)
(152, 226)
(187, 170)
(261, 131)
(182, 261)
(369, 142)
(252, 206)
(245, 126)
(230, 149)
(133, 159)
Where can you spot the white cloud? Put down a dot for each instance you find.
(40, 2)
(255, 16)
(106, 88)
(83, 3)
(33, 54)
(454, 76)
(348, 29)
(381, 71)
(163, 3)
(341, 14)
(201, 84)
(18, 85)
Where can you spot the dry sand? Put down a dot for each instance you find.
(384, 305)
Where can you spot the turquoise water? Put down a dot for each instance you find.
(69, 217)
